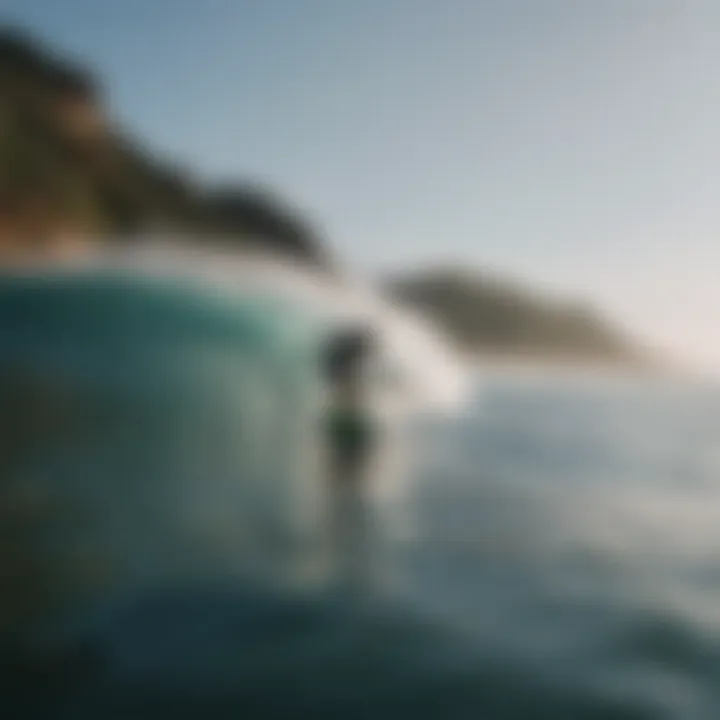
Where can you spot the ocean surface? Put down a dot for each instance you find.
(560, 558)
(553, 550)
(570, 529)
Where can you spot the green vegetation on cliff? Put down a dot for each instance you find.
(63, 158)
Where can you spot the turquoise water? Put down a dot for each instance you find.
(141, 431)
(563, 559)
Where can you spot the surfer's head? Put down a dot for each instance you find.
(347, 355)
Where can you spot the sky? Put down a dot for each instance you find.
(571, 143)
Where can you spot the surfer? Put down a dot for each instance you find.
(350, 445)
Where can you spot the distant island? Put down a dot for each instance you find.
(68, 171)
(486, 317)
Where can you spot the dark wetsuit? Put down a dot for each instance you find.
(350, 438)
(350, 449)
(350, 435)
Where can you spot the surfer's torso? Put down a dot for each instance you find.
(351, 434)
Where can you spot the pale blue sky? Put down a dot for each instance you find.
(575, 143)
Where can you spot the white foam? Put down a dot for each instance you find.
(417, 369)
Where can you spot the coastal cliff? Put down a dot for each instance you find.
(68, 170)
